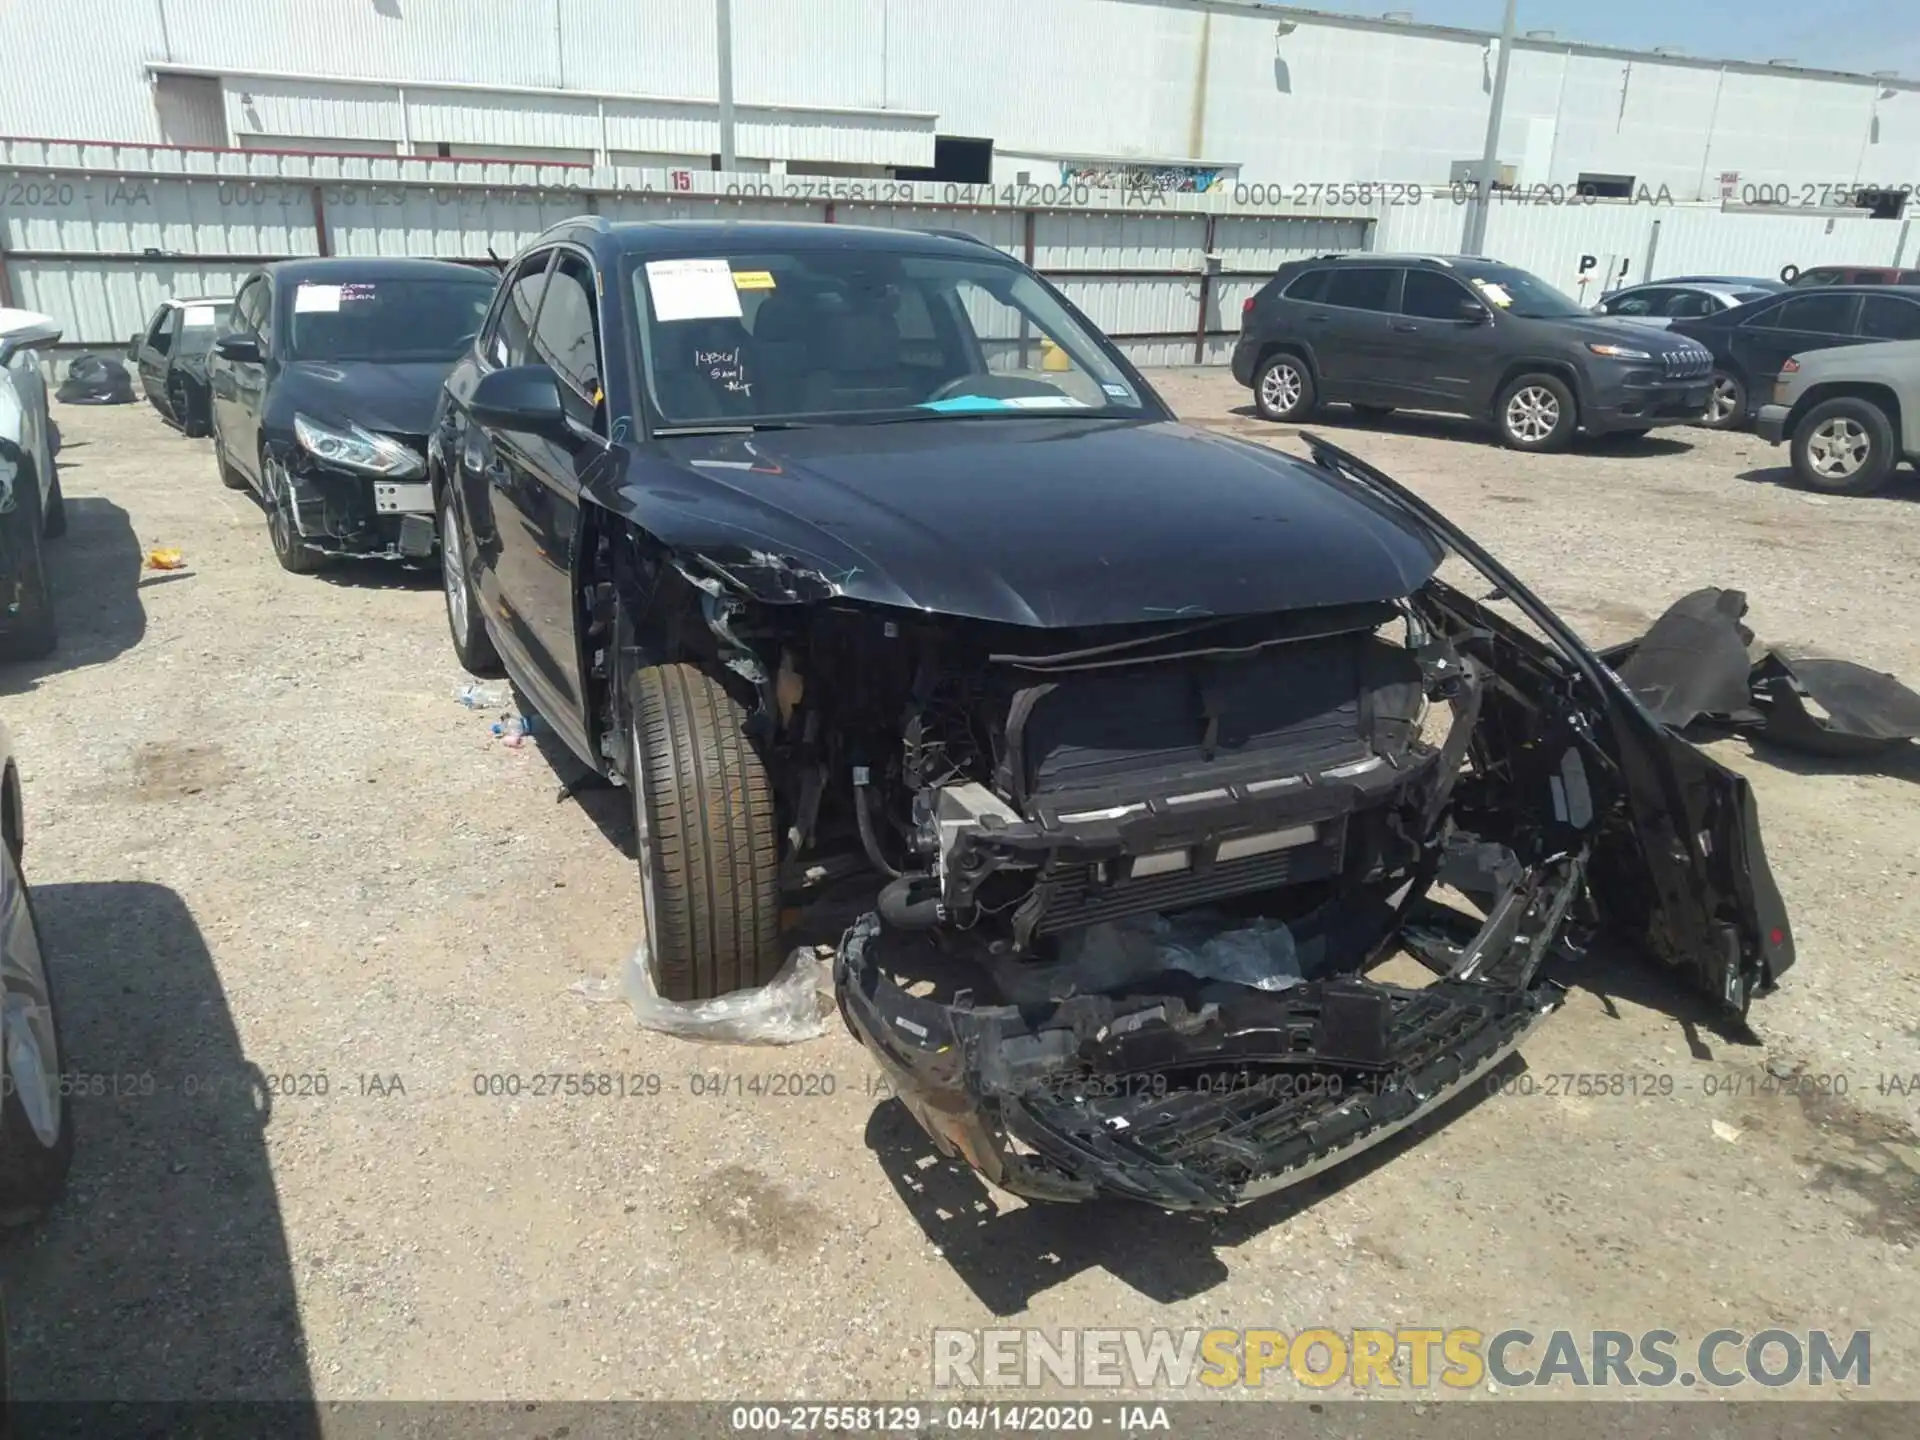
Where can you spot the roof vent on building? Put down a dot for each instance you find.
(1398, 17)
(1886, 74)
(1539, 34)
(1668, 50)
(1788, 61)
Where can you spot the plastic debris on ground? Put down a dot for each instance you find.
(792, 1007)
(513, 730)
(484, 697)
(1117, 953)
(166, 560)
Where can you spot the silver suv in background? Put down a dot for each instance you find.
(1849, 414)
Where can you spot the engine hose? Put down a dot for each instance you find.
(869, 842)
(900, 908)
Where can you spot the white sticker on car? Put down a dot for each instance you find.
(693, 290)
(199, 317)
(1045, 402)
(1493, 293)
(316, 297)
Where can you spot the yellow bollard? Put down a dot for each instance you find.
(1052, 357)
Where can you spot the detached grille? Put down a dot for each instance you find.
(1689, 364)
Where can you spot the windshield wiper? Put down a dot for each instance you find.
(752, 428)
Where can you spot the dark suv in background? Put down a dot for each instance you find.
(1751, 342)
(1459, 334)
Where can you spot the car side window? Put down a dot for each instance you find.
(1310, 286)
(1362, 287)
(1886, 317)
(160, 334)
(1686, 304)
(1820, 314)
(511, 339)
(249, 310)
(566, 335)
(1636, 302)
(1432, 296)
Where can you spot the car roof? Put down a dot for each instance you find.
(336, 268)
(723, 236)
(1746, 282)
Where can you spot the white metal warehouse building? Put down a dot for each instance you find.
(1188, 90)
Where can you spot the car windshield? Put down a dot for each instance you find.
(1518, 293)
(200, 323)
(863, 336)
(388, 319)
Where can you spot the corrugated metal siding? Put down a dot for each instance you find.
(78, 69)
(83, 213)
(647, 47)
(454, 115)
(102, 303)
(303, 107)
(819, 52)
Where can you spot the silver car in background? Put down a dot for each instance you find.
(1849, 414)
(31, 508)
(1660, 302)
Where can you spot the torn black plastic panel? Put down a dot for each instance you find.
(1694, 660)
(1863, 712)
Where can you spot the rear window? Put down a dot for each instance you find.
(1311, 285)
(1820, 314)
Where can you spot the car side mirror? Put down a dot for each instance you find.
(244, 348)
(520, 397)
(33, 330)
(1473, 312)
(133, 345)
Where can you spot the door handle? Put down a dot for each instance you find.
(1405, 328)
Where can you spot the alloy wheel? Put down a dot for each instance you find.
(1838, 447)
(1532, 414)
(453, 571)
(1280, 388)
(26, 1023)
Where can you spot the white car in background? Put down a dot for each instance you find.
(31, 508)
(1686, 297)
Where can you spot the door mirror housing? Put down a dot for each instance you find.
(244, 348)
(520, 397)
(25, 330)
(1473, 312)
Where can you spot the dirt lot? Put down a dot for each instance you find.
(264, 834)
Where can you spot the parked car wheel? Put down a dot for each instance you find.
(229, 477)
(705, 836)
(1372, 413)
(1536, 412)
(185, 400)
(1726, 402)
(1844, 447)
(56, 521)
(1283, 388)
(30, 633)
(36, 1122)
(471, 643)
(294, 555)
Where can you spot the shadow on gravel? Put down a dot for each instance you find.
(163, 1274)
(94, 570)
(1006, 1259)
(1903, 484)
(1613, 971)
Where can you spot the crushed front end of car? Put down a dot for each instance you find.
(1168, 847)
(1342, 783)
(357, 491)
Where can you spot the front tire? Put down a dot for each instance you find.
(1726, 402)
(1536, 412)
(1844, 447)
(295, 556)
(36, 1120)
(29, 633)
(472, 646)
(1283, 388)
(705, 832)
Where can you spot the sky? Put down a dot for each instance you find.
(1863, 35)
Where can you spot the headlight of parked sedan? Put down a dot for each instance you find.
(352, 448)
(1620, 352)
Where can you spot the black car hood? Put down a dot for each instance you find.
(393, 399)
(1041, 522)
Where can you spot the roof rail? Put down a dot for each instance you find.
(598, 223)
(959, 235)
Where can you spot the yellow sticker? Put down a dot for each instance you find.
(753, 280)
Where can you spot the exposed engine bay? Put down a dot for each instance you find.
(1420, 776)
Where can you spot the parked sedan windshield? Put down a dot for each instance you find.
(1516, 292)
(389, 319)
(864, 335)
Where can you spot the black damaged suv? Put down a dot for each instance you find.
(1465, 335)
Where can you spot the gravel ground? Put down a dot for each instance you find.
(273, 855)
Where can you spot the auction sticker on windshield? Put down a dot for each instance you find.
(692, 290)
(310, 298)
(1495, 293)
(199, 317)
(753, 280)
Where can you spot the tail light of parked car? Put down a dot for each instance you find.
(1246, 310)
(1787, 372)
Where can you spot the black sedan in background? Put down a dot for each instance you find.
(171, 357)
(324, 383)
(1751, 342)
